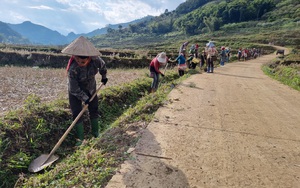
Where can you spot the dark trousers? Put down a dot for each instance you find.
(155, 81)
(76, 107)
(193, 65)
(181, 72)
(202, 62)
(210, 65)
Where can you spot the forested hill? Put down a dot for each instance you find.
(195, 17)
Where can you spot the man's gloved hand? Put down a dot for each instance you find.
(87, 101)
(162, 75)
(104, 80)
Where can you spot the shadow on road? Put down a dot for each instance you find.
(147, 167)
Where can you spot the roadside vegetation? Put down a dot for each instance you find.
(285, 69)
(34, 129)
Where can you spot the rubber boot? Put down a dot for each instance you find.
(79, 132)
(95, 127)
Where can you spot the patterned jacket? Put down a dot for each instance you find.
(82, 82)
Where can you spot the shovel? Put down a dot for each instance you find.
(164, 74)
(47, 159)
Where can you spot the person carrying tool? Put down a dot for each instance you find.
(182, 48)
(82, 67)
(181, 64)
(211, 56)
(160, 60)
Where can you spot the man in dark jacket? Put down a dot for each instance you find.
(82, 68)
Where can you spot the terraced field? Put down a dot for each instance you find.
(17, 83)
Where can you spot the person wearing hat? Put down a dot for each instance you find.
(181, 64)
(223, 56)
(160, 60)
(211, 56)
(82, 68)
(182, 48)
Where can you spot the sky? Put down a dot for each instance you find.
(81, 16)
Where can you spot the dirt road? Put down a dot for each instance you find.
(234, 128)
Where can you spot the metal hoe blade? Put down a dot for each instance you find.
(41, 162)
(45, 160)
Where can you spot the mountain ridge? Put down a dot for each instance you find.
(31, 33)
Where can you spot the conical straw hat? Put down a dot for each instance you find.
(81, 47)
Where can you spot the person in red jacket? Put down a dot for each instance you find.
(160, 60)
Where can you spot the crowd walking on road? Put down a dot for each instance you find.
(85, 62)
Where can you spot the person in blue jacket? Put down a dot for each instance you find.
(181, 64)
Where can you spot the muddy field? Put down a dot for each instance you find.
(17, 83)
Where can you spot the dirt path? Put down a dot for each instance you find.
(234, 128)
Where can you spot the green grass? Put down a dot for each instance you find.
(287, 75)
(287, 70)
(35, 129)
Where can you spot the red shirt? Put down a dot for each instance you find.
(155, 64)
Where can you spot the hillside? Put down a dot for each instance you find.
(8, 35)
(38, 34)
(199, 20)
(34, 34)
(191, 18)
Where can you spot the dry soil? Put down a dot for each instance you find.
(233, 128)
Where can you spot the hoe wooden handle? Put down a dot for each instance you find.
(71, 126)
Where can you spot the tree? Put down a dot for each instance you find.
(190, 5)
(133, 28)
(262, 6)
(212, 23)
(190, 28)
(120, 27)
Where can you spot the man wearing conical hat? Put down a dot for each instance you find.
(82, 68)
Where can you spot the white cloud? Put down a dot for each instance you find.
(81, 16)
(41, 7)
(125, 11)
(17, 17)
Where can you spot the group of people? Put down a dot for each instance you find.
(85, 62)
(246, 54)
(208, 56)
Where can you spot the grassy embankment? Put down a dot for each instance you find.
(35, 129)
(285, 69)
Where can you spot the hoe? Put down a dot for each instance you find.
(47, 159)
